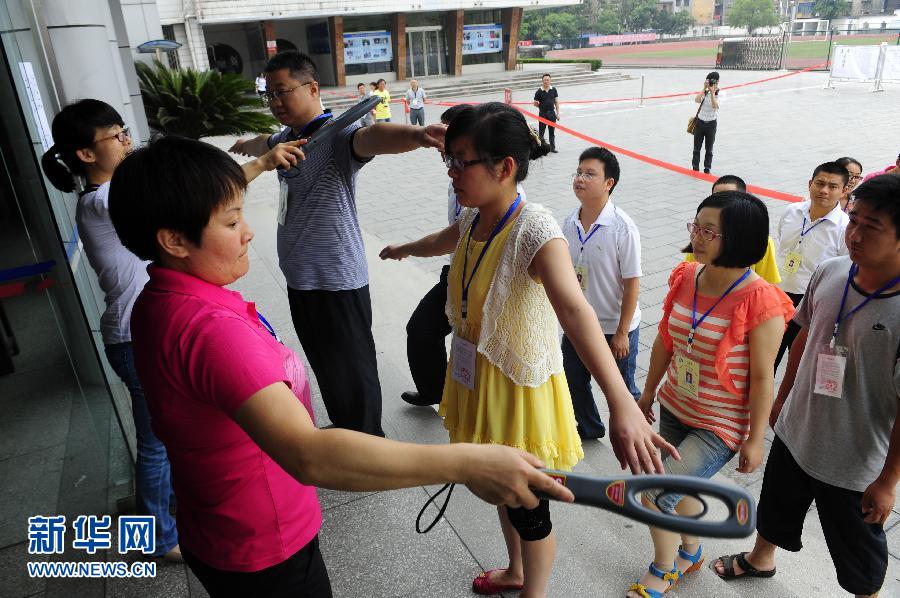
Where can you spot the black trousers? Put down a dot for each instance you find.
(543, 126)
(790, 332)
(335, 329)
(303, 574)
(425, 347)
(704, 132)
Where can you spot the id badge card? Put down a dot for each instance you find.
(831, 363)
(581, 272)
(463, 357)
(688, 373)
(282, 201)
(792, 262)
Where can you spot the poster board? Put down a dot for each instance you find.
(367, 46)
(859, 63)
(482, 39)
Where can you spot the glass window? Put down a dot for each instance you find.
(369, 23)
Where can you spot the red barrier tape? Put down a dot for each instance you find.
(660, 163)
(684, 93)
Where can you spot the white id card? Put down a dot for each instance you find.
(463, 358)
(581, 272)
(688, 373)
(830, 367)
(792, 262)
(282, 201)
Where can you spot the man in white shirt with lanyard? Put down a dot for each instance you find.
(835, 417)
(605, 247)
(808, 234)
(415, 97)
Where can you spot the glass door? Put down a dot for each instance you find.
(425, 52)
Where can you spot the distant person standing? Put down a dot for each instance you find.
(362, 93)
(707, 118)
(415, 97)
(383, 109)
(261, 84)
(547, 101)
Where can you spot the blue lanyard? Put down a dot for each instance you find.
(307, 126)
(839, 319)
(805, 231)
(497, 229)
(583, 242)
(267, 326)
(457, 207)
(694, 321)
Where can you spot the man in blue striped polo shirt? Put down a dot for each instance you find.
(320, 247)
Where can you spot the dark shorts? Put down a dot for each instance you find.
(858, 549)
(302, 574)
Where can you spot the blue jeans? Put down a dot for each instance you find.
(417, 116)
(152, 475)
(590, 425)
(702, 455)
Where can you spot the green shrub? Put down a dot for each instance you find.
(595, 63)
(200, 104)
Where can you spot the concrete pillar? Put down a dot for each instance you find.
(269, 38)
(511, 18)
(336, 30)
(454, 36)
(90, 56)
(398, 42)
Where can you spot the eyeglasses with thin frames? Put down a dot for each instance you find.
(704, 233)
(121, 136)
(584, 176)
(268, 96)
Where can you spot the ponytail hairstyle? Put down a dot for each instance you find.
(497, 131)
(74, 129)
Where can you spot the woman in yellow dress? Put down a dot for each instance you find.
(511, 276)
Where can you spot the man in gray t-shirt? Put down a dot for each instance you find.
(836, 409)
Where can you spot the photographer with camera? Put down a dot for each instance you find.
(707, 115)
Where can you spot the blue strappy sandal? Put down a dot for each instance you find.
(696, 560)
(645, 592)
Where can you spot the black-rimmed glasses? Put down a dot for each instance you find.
(454, 163)
(121, 136)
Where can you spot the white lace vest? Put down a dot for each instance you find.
(518, 326)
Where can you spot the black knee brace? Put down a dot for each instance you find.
(532, 524)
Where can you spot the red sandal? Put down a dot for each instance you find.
(484, 586)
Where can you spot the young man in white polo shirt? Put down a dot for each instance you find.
(810, 233)
(606, 250)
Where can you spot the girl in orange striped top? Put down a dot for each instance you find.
(715, 352)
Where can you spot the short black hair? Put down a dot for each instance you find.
(882, 194)
(380, 81)
(714, 75)
(546, 75)
(731, 179)
(496, 131)
(609, 160)
(450, 113)
(360, 84)
(298, 63)
(172, 183)
(832, 168)
(744, 224)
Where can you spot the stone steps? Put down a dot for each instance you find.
(456, 87)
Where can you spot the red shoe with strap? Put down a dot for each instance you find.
(484, 586)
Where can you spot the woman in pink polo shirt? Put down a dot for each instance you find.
(232, 404)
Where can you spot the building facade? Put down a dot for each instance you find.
(349, 40)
